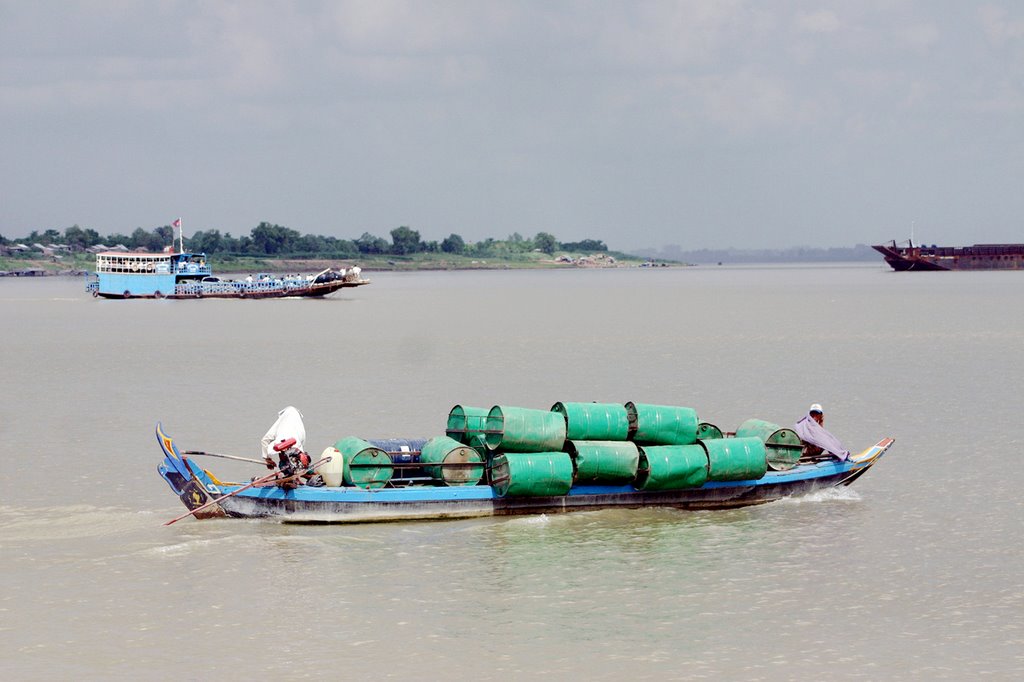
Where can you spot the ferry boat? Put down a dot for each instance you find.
(188, 275)
(977, 257)
(445, 477)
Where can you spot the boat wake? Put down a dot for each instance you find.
(841, 494)
(69, 522)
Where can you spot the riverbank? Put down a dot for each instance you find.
(77, 264)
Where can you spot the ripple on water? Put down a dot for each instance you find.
(70, 522)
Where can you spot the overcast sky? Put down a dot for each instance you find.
(703, 123)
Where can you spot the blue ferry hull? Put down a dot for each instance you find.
(184, 275)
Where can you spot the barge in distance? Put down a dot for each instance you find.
(188, 275)
(977, 257)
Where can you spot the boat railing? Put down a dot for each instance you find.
(193, 269)
(199, 288)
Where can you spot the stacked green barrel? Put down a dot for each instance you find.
(527, 452)
(534, 452)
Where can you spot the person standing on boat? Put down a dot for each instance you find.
(816, 440)
(286, 439)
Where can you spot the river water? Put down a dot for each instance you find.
(915, 572)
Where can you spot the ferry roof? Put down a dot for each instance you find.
(146, 254)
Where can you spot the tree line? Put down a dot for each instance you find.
(271, 240)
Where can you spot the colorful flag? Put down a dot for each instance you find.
(177, 223)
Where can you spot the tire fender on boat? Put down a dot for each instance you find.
(157, 294)
(126, 294)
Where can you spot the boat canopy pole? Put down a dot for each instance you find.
(235, 457)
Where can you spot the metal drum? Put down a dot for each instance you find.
(782, 446)
(736, 459)
(603, 461)
(671, 467)
(594, 421)
(706, 431)
(465, 421)
(662, 424)
(404, 452)
(458, 464)
(520, 429)
(366, 466)
(533, 474)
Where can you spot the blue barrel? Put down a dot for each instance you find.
(402, 451)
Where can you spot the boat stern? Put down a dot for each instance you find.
(185, 480)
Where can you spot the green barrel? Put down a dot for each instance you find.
(672, 467)
(464, 422)
(707, 431)
(521, 429)
(594, 421)
(365, 465)
(531, 474)
(662, 424)
(447, 451)
(479, 443)
(603, 461)
(783, 446)
(736, 459)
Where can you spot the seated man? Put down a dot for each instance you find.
(816, 439)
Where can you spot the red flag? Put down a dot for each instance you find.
(177, 223)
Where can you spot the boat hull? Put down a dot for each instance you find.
(294, 508)
(313, 291)
(935, 258)
(304, 504)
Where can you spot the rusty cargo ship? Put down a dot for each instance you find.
(977, 257)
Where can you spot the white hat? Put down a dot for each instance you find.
(816, 408)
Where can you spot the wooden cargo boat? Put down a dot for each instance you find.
(977, 257)
(188, 275)
(449, 492)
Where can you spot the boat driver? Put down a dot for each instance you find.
(817, 440)
(287, 440)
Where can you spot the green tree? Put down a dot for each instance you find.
(207, 242)
(453, 243)
(369, 244)
(79, 239)
(273, 239)
(545, 242)
(405, 241)
(587, 245)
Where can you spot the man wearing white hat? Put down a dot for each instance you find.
(816, 439)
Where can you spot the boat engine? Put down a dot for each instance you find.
(290, 458)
